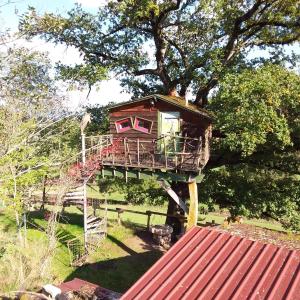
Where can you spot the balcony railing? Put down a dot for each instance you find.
(171, 152)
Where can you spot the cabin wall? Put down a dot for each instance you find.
(140, 148)
(143, 110)
(191, 124)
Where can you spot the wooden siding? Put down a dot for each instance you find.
(142, 110)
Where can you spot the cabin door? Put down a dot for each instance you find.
(170, 126)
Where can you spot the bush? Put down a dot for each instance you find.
(135, 191)
(24, 267)
(145, 192)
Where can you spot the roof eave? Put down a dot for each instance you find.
(204, 114)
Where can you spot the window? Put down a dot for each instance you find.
(142, 125)
(123, 125)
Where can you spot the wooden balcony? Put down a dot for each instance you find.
(167, 152)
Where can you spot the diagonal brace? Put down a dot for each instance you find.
(165, 185)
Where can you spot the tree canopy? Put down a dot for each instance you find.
(206, 48)
(256, 171)
(167, 46)
(31, 127)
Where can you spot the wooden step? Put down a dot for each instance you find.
(73, 203)
(95, 231)
(76, 193)
(77, 188)
(93, 226)
(93, 219)
(73, 198)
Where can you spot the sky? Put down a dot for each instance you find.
(108, 90)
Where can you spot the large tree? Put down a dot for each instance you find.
(31, 126)
(167, 46)
(204, 46)
(256, 170)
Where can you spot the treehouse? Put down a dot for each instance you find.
(156, 133)
(155, 136)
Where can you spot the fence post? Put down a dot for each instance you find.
(119, 211)
(148, 212)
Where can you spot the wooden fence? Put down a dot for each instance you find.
(147, 213)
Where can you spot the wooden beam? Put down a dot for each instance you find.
(173, 195)
(117, 171)
(193, 210)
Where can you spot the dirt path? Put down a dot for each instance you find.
(142, 242)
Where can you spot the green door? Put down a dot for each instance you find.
(170, 127)
(170, 122)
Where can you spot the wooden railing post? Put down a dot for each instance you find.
(125, 151)
(138, 151)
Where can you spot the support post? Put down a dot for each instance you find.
(84, 194)
(193, 210)
(85, 214)
(138, 151)
(83, 147)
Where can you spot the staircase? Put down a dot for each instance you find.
(95, 227)
(96, 230)
(74, 197)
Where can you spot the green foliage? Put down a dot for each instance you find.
(145, 191)
(258, 107)
(195, 43)
(258, 112)
(135, 191)
(111, 185)
(81, 75)
(31, 125)
(255, 192)
(99, 118)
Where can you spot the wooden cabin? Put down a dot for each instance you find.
(158, 132)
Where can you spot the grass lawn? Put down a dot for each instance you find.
(142, 220)
(122, 258)
(124, 255)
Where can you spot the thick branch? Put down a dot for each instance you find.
(146, 72)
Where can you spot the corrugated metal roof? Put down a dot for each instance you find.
(177, 101)
(208, 264)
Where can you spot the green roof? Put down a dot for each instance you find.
(177, 101)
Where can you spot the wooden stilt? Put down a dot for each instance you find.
(193, 211)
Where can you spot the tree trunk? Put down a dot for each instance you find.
(44, 193)
(181, 189)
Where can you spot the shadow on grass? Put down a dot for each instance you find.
(63, 235)
(117, 274)
(65, 218)
(121, 245)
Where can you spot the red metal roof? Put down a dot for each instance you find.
(208, 264)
